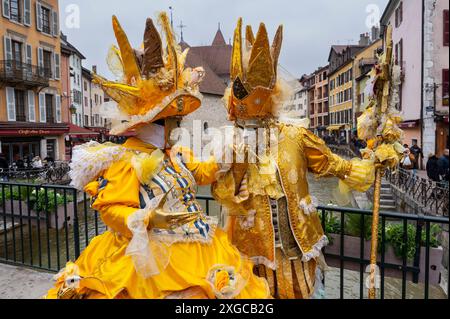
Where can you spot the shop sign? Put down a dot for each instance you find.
(33, 132)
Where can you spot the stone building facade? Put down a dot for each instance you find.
(31, 116)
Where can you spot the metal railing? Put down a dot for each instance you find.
(56, 173)
(12, 71)
(403, 266)
(44, 226)
(431, 197)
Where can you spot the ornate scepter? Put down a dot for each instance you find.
(379, 126)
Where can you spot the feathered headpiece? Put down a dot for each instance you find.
(153, 82)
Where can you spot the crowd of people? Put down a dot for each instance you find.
(22, 164)
(437, 167)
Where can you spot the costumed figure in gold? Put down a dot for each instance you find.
(271, 216)
(159, 242)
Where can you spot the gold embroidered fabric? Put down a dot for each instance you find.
(299, 151)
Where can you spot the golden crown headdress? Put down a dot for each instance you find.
(253, 73)
(153, 82)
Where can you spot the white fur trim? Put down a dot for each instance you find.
(261, 260)
(316, 250)
(90, 159)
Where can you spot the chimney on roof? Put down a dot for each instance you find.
(364, 39)
(375, 33)
(94, 69)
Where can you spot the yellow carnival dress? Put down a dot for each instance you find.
(195, 260)
(272, 216)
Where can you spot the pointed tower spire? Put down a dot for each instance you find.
(219, 38)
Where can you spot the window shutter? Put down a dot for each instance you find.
(400, 47)
(5, 8)
(58, 108)
(446, 30)
(53, 66)
(38, 16)
(31, 106)
(28, 54)
(11, 104)
(42, 111)
(55, 25)
(29, 60)
(400, 18)
(396, 54)
(8, 53)
(41, 61)
(57, 66)
(40, 57)
(396, 18)
(8, 48)
(445, 87)
(27, 12)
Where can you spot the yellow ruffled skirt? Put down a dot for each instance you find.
(108, 273)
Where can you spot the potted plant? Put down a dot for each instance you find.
(53, 207)
(15, 200)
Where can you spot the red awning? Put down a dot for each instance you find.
(81, 132)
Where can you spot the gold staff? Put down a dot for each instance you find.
(379, 123)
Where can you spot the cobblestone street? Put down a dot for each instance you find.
(23, 283)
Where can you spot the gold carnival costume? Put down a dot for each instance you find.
(272, 218)
(159, 243)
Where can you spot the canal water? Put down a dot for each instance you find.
(38, 246)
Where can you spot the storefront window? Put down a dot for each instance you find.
(20, 152)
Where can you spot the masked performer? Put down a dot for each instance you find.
(272, 218)
(159, 243)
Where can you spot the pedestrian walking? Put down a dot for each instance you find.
(407, 162)
(433, 168)
(443, 164)
(418, 155)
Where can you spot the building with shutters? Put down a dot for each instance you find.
(363, 63)
(75, 72)
(93, 100)
(297, 106)
(31, 114)
(318, 101)
(422, 51)
(341, 89)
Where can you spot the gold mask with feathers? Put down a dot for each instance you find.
(253, 74)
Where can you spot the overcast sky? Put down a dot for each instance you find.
(310, 27)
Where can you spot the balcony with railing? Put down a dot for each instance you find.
(15, 73)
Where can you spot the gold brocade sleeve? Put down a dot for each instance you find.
(357, 174)
(203, 172)
(119, 197)
(362, 175)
